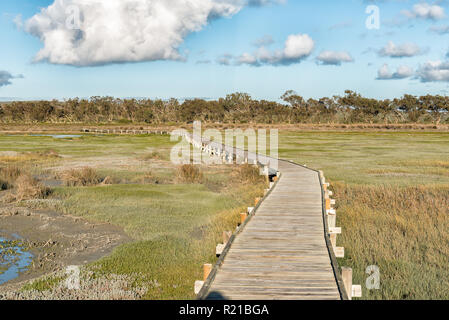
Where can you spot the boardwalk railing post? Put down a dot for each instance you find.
(346, 274)
(207, 268)
(333, 235)
(243, 217)
(353, 291)
(328, 203)
(221, 246)
(219, 249)
(226, 236)
(331, 216)
(331, 220)
(198, 286)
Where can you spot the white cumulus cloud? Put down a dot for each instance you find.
(247, 58)
(402, 72)
(425, 10)
(400, 51)
(334, 58)
(116, 31)
(434, 71)
(296, 48)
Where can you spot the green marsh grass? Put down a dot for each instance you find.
(174, 227)
(392, 192)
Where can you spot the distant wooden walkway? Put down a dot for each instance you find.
(282, 252)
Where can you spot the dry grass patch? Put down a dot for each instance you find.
(48, 153)
(410, 172)
(8, 176)
(154, 155)
(434, 163)
(27, 188)
(249, 174)
(423, 163)
(150, 177)
(189, 173)
(403, 230)
(29, 156)
(80, 177)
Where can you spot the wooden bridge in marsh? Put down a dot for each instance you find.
(285, 248)
(282, 252)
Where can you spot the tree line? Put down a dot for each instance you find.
(238, 108)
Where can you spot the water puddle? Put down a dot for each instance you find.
(13, 258)
(57, 136)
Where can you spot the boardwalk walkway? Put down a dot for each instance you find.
(282, 251)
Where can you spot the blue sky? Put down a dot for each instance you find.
(416, 31)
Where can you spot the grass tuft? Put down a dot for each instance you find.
(249, 174)
(80, 177)
(8, 176)
(27, 188)
(189, 173)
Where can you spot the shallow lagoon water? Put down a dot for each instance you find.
(57, 136)
(13, 264)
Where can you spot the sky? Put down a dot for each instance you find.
(59, 49)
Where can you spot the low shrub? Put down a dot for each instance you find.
(8, 176)
(27, 188)
(80, 177)
(249, 174)
(189, 173)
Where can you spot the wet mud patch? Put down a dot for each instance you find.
(56, 240)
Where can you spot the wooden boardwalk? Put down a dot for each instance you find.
(282, 253)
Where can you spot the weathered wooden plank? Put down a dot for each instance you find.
(305, 277)
(220, 296)
(248, 280)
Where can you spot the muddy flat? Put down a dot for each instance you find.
(57, 241)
